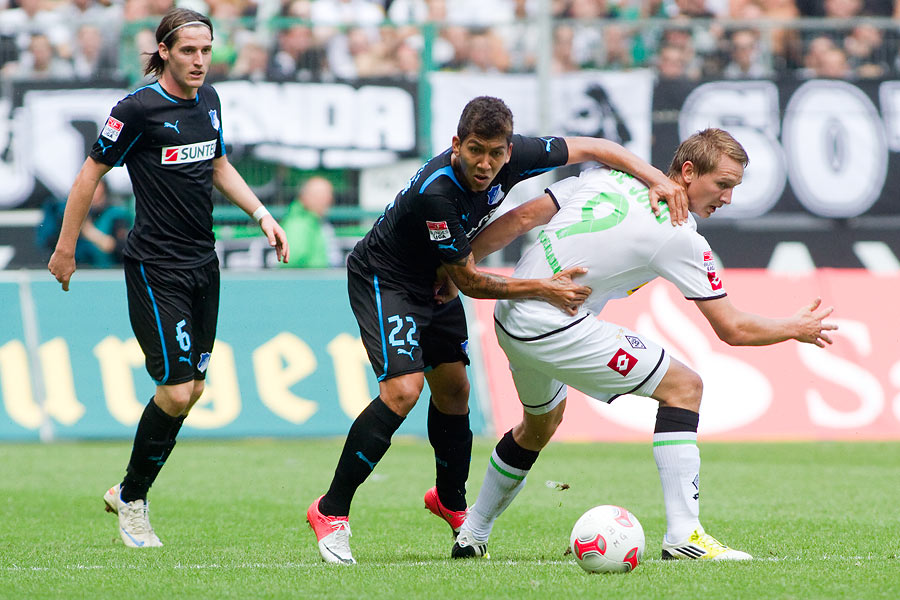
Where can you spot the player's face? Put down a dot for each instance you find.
(479, 159)
(187, 61)
(711, 191)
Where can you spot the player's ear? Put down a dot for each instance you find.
(163, 51)
(455, 145)
(687, 171)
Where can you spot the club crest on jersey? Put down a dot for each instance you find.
(495, 195)
(635, 342)
(622, 362)
(214, 119)
(204, 362)
(112, 129)
(438, 230)
(173, 155)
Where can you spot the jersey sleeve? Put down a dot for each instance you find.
(564, 190)
(442, 227)
(687, 261)
(532, 156)
(122, 130)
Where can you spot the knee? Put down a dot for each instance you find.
(689, 392)
(452, 397)
(401, 397)
(175, 400)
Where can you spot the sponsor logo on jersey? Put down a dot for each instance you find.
(622, 362)
(714, 280)
(214, 119)
(635, 342)
(112, 129)
(438, 230)
(495, 195)
(707, 256)
(172, 155)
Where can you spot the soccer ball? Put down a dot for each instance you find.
(607, 539)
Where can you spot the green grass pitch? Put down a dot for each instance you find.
(821, 519)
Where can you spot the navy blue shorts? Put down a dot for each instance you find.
(402, 334)
(173, 314)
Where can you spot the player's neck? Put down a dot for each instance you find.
(458, 172)
(171, 87)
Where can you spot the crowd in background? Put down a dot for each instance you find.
(328, 40)
(324, 40)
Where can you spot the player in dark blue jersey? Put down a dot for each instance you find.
(402, 277)
(169, 135)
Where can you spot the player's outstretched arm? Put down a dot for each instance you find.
(510, 225)
(560, 290)
(583, 149)
(228, 181)
(738, 328)
(62, 262)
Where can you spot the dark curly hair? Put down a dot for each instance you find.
(486, 117)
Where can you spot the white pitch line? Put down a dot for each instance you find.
(424, 563)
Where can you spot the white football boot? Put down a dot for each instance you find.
(134, 520)
(701, 546)
(332, 535)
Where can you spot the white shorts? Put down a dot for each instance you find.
(600, 359)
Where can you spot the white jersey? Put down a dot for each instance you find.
(605, 224)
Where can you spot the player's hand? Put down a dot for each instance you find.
(444, 288)
(61, 266)
(675, 197)
(564, 293)
(811, 325)
(276, 236)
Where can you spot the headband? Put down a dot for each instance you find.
(188, 24)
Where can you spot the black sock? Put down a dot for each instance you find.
(670, 419)
(451, 438)
(152, 445)
(367, 441)
(515, 455)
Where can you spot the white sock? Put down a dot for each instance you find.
(678, 460)
(501, 484)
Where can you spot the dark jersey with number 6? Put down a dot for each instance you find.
(433, 218)
(168, 145)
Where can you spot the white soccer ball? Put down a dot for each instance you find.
(607, 539)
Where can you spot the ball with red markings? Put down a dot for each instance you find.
(607, 539)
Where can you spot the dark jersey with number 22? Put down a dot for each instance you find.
(168, 145)
(433, 218)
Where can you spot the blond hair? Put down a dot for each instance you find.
(704, 149)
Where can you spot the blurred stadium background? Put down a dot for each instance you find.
(361, 91)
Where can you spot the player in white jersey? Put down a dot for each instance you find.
(601, 220)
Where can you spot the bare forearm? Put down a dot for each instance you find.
(490, 285)
(754, 330)
(77, 206)
(583, 149)
(228, 181)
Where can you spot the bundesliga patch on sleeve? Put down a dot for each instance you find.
(112, 129)
(709, 262)
(438, 230)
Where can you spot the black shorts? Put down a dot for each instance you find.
(173, 314)
(400, 333)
